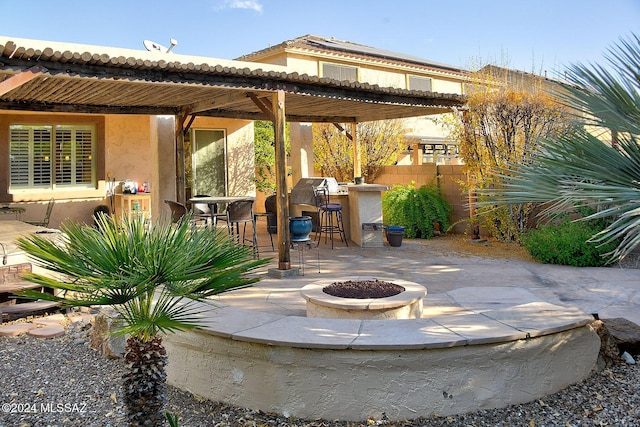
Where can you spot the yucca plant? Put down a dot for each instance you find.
(154, 278)
(578, 168)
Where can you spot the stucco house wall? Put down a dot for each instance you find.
(386, 72)
(136, 147)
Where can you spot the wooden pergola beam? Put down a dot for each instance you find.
(21, 78)
(215, 103)
(263, 105)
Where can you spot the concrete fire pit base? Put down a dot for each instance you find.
(405, 305)
(351, 370)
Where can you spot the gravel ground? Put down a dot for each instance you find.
(62, 382)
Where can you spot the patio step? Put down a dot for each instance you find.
(18, 286)
(15, 329)
(28, 307)
(50, 331)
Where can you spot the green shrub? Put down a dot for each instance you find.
(566, 243)
(416, 209)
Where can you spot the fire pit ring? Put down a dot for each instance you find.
(405, 305)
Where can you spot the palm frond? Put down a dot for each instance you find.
(138, 271)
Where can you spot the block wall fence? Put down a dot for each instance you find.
(449, 179)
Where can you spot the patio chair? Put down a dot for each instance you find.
(241, 212)
(47, 215)
(178, 210)
(272, 217)
(202, 211)
(205, 211)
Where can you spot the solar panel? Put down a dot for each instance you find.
(357, 48)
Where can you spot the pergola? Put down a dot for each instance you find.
(58, 77)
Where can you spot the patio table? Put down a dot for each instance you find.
(16, 210)
(214, 201)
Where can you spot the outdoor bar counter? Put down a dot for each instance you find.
(365, 214)
(361, 204)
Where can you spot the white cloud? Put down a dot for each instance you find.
(241, 4)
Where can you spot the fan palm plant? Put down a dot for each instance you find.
(578, 168)
(155, 279)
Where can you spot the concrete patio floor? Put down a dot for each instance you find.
(494, 331)
(452, 279)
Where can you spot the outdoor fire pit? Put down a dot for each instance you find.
(364, 298)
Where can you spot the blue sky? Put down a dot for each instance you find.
(534, 35)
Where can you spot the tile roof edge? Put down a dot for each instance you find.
(134, 53)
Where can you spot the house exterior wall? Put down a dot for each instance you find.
(136, 147)
(369, 71)
(129, 147)
(373, 71)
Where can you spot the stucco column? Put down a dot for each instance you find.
(163, 181)
(301, 151)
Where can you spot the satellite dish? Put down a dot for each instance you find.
(157, 47)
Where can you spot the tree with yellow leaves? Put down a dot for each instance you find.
(506, 116)
(380, 144)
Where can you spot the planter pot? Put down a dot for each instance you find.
(437, 228)
(394, 235)
(300, 227)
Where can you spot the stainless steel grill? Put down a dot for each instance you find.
(302, 192)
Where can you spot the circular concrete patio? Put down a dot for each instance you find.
(506, 348)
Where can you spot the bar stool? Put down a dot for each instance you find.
(329, 217)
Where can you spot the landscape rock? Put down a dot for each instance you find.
(628, 358)
(625, 333)
(102, 339)
(609, 353)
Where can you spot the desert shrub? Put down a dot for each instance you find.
(566, 242)
(416, 209)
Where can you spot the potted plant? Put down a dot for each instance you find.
(299, 228)
(394, 235)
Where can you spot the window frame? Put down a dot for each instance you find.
(62, 149)
(94, 190)
(322, 64)
(411, 77)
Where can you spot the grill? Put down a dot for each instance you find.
(302, 192)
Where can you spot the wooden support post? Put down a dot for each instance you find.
(282, 194)
(475, 227)
(357, 163)
(181, 190)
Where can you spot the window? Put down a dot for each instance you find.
(419, 83)
(340, 72)
(52, 156)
